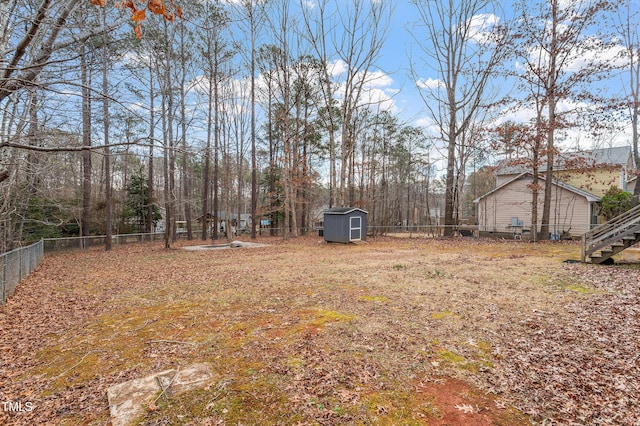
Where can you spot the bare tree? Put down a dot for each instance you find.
(627, 24)
(107, 150)
(86, 142)
(319, 25)
(211, 52)
(152, 138)
(184, 58)
(355, 32)
(40, 37)
(165, 65)
(523, 145)
(559, 60)
(463, 44)
(281, 23)
(252, 13)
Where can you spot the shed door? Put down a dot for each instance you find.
(355, 231)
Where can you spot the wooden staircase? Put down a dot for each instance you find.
(610, 238)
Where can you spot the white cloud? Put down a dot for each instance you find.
(309, 4)
(201, 84)
(429, 84)
(378, 79)
(480, 27)
(377, 90)
(593, 52)
(588, 53)
(337, 67)
(382, 98)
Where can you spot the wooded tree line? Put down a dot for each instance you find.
(222, 109)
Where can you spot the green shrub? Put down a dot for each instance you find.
(615, 202)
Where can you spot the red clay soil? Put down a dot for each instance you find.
(458, 403)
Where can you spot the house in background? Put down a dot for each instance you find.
(580, 179)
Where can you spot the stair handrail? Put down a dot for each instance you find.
(604, 234)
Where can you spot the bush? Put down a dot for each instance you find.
(615, 202)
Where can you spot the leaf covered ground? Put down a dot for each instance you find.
(390, 331)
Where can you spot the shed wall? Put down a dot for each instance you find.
(337, 227)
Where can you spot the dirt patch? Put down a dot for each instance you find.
(455, 402)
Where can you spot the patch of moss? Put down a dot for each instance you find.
(117, 341)
(376, 299)
(578, 288)
(451, 357)
(323, 316)
(484, 346)
(474, 363)
(295, 362)
(398, 407)
(444, 314)
(569, 284)
(247, 399)
(436, 274)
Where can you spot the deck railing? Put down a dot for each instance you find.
(625, 225)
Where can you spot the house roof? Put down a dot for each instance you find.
(342, 210)
(589, 196)
(614, 156)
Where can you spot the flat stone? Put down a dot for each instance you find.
(233, 244)
(128, 400)
(194, 377)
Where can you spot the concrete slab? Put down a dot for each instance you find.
(233, 244)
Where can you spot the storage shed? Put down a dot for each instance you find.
(345, 224)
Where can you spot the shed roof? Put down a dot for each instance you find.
(343, 210)
(589, 196)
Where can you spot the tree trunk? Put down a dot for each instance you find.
(86, 142)
(449, 183)
(152, 125)
(254, 160)
(107, 149)
(207, 161)
(551, 97)
(186, 187)
(169, 148)
(216, 141)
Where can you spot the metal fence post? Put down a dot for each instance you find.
(4, 277)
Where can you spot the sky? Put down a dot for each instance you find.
(395, 83)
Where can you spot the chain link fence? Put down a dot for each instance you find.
(17, 264)
(55, 244)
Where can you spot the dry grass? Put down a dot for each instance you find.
(298, 332)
